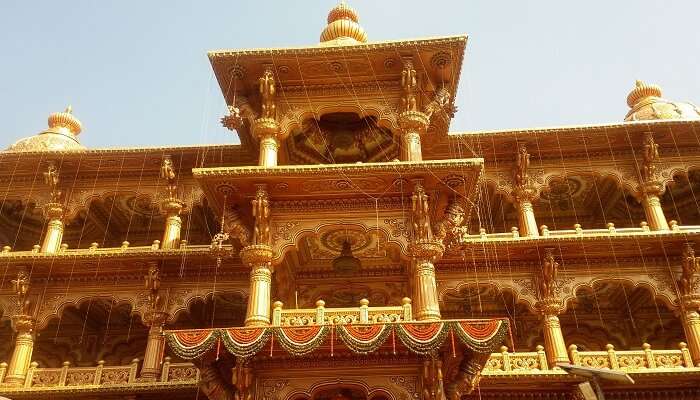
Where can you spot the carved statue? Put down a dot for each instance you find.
(152, 284)
(261, 213)
(235, 228)
(167, 172)
(549, 276)
(650, 156)
(21, 289)
(213, 385)
(242, 380)
(267, 93)
(421, 216)
(454, 217)
(441, 103)
(432, 380)
(690, 267)
(409, 84)
(522, 164)
(51, 179)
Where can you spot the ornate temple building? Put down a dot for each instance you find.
(351, 247)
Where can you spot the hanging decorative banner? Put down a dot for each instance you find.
(481, 335)
(422, 338)
(193, 343)
(364, 339)
(244, 342)
(300, 340)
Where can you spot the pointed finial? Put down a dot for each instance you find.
(69, 109)
(642, 91)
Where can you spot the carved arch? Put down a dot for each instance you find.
(181, 300)
(518, 288)
(53, 306)
(385, 114)
(651, 284)
(369, 390)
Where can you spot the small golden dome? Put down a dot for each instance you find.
(60, 135)
(646, 103)
(343, 27)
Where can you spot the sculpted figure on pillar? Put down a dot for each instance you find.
(409, 84)
(267, 93)
(421, 215)
(152, 285)
(242, 380)
(548, 277)
(167, 173)
(20, 286)
(522, 164)
(441, 104)
(650, 156)
(453, 218)
(690, 266)
(261, 213)
(51, 179)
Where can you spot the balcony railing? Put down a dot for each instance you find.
(363, 314)
(102, 376)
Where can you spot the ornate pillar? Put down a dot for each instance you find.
(54, 212)
(266, 128)
(424, 250)
(412, 122)
(171, 206)
(23, 325)
(155, 319)
(258, 257)
(650, 189)
(549, 308)
(690, 301)
(524, 193)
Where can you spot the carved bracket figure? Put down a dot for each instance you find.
(21, 285)
(51, 179)
(261, 213)
(167, 173)
(408, 84)
(267, 91)
(546, 288)
(421, 214)
(453, 218)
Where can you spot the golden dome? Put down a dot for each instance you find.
(343, 27)
(60, 135)
(646, 103)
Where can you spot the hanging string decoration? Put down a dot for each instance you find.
(245, 342)
(189, 344)
(363, 339)
(301, 340)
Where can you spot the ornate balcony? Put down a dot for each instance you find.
(321, 315)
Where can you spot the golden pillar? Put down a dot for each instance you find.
(413, 124)
(54, 213)
(22, 354)
(258, 257)
(690, 319)
(554, 344)
(690, 300)
(425, 295)
(267, 131)
(173, 223)
(155, 345)
(652, 207)
(526, 212)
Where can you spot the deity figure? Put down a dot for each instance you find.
(21, 288)
(454, 217)
(689, 271)
(441, 103)
(549, 276)
(51, 179)
(408, 83)
(522, 164)
(167, 172)
(650, 156)
(261, 213)
(152, 284)
(267, 93)
(242, 380)
(421, 216)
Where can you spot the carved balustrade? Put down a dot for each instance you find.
(632, 360)
(101, 375)
(321, 315)
(506, 362)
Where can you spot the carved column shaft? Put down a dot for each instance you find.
(413, 124)
(173, 224)
(554, 344)
(154, 348)
(411, 147)
(654, 213)
(54, 230)
(22, 353)
(426, 306)
(526, 219)
(269, 147)
(258, 257)
(690, 319)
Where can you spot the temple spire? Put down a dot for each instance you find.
(343, 27)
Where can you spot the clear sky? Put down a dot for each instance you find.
(136, 72)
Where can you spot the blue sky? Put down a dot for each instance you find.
(137, 74)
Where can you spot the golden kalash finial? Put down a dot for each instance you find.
(61, 135)
(642, 91)
(646, 103)
(64, 122)
(343, 27)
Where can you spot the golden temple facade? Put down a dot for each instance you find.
(351, 247)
